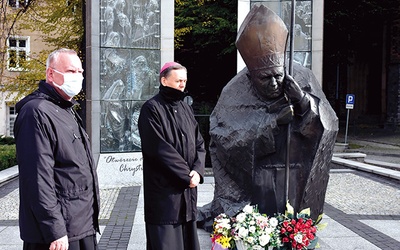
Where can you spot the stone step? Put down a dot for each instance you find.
(8, 174)
(367, 167)
(340, 147)
(356, 156)
(393, 166)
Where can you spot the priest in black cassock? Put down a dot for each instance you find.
(173, 164)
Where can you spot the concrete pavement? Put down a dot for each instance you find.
(357, 218)
(362, 210)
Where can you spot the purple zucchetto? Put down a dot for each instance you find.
(167, 65)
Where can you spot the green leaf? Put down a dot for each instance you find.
(289, 209)
(321, 226)
(319, 218)
(306, 211)
(313, 244)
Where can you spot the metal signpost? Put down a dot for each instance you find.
(350, 98)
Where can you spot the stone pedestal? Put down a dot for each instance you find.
(120, 169)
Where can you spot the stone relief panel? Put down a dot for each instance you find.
(130, 59)
(130, 23)
(302, 30)
(128, 78)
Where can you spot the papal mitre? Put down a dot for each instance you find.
(261, 39)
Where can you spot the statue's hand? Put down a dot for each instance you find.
(285, 115)
(292, 89)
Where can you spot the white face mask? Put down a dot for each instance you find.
(72, 83)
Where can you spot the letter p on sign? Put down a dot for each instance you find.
(350, 98)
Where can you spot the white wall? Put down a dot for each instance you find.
(4, 123)
(3, 113)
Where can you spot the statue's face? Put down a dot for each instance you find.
(268, 82)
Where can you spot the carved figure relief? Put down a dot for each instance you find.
(130, 58)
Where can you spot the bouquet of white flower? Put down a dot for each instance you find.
(255, 230)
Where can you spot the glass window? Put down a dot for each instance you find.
(17, 3)
(69, 3)
(12, 42)
(22, 43)
(17, 53)
(11, 115)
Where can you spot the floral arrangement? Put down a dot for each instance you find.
(298, 231)
(250, 229)
(254, 229)
(221, 237)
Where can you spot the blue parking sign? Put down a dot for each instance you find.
(350, 99)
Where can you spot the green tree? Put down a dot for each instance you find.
(205, 33)
(59, 23)
(354, 34)
(348, 24)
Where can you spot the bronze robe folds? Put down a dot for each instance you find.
(248, 150)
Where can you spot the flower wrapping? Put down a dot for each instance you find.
(217, 246)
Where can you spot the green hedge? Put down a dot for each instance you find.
(7, 156)
(7, 140)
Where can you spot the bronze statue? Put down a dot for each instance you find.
(249, 129)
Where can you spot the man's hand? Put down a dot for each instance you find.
(195, 180)
(60, 244)
(299, 99)
(292, 89)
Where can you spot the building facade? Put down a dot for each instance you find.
(18, 47)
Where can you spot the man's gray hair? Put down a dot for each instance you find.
(54, 55)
